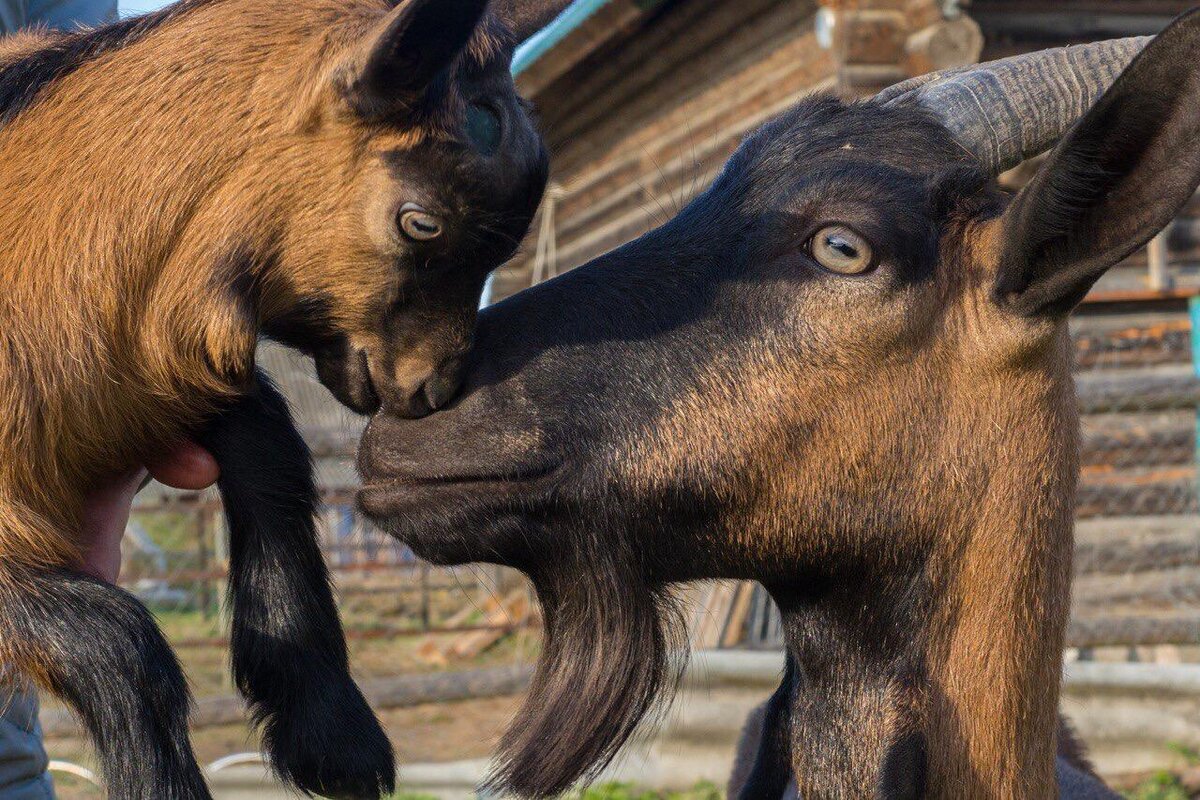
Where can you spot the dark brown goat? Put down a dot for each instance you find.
(340, 175)
(844, 371)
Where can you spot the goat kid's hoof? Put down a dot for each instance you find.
(329, 744)
(366, 772)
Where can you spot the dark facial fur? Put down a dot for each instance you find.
(542, 485)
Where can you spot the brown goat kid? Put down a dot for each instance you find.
(844, 370)
(340, 175)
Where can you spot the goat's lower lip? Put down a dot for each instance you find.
(405, 494)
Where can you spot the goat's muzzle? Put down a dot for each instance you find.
(345, 372)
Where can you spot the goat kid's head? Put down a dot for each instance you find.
(455, 175)
(852, 344)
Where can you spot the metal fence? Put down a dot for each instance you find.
(175, 561)
(1137, 564)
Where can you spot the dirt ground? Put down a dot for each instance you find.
(430, 732)
(387, 622)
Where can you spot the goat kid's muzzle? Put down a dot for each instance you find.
(407, 385)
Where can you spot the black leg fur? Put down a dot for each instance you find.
(96, 647)
(289, 652)
(771, 772)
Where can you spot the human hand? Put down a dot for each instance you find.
(106, 510)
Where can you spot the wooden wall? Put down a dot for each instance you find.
(644, 121)
(637, 128)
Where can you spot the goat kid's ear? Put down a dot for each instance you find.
(526, 17)
(408, 50)
(1116, 179)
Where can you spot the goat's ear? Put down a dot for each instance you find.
(525, 17)
(1117, 177)
(410, 48)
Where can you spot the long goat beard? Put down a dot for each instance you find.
(608, 654)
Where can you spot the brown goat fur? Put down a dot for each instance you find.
(119, 338)
(174, 186)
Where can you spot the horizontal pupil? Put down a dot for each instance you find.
(843, 247)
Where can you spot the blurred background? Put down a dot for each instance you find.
(641, 101)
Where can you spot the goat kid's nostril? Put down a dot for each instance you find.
(444, 384)
(440, 390)
(419, 390)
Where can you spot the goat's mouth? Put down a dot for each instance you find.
(413, 494)
(461, 518)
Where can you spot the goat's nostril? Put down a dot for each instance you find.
(419, 390)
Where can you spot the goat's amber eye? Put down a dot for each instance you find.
(839, 249)
(483, 128)
(419, 224)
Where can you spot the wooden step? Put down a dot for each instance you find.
(1154, 388)
(1169, 490)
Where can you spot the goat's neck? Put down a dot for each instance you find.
(943, 649)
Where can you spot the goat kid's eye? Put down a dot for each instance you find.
(483, 128)
(418, 224)
(841, 250)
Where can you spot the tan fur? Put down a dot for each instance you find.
(23, 42)
(1001, 581)
(116, 336)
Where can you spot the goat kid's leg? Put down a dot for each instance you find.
(97, 648)
(289, 652)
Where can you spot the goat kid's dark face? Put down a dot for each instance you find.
(451, 172)
(805, 364)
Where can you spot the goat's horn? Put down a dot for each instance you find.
(1008, 110)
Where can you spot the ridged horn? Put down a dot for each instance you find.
(1005, 111)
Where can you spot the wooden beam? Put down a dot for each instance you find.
(1133, 631)
(612, 22)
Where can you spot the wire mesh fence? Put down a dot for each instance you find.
(175, 561)
(1137, 563)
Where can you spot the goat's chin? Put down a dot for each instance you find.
(608, 654)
